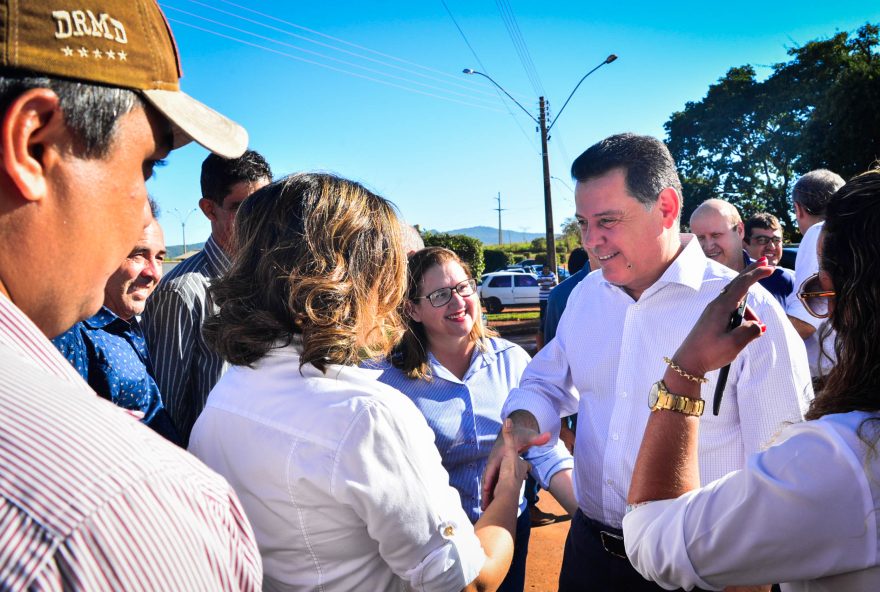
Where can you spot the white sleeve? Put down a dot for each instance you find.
(389, 472)
(806, 264)
(546, 388)
(801, 510)
(773, 387)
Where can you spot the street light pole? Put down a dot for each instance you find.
(544, 127)
(183, 218)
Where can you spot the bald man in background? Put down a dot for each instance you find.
(720, 230)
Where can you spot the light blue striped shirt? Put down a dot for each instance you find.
(186, 368)
(465, 416)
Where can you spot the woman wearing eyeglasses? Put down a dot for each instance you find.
(458, 373)
(807, 510)
(338, 473)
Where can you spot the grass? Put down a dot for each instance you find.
(513, 316)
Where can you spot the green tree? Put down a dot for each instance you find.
(570, 239)
(469, 249)
(843, 132)
(495, 259)
(731, 145)
(748, 139)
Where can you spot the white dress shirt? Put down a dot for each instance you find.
(340, 478)
(804, 511)
(819, 353)
(609, 350)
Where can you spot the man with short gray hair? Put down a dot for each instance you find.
(108, 349)
(810, 196)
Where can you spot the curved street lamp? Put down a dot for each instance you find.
(544, 128)
(183, 218)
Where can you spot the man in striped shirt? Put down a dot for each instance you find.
(186, 368)
(89, 498)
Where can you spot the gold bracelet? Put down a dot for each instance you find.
(681, 372)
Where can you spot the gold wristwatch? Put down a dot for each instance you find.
(661, 398)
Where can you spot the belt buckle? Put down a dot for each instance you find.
(613, 544)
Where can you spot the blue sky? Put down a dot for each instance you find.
(385, 102)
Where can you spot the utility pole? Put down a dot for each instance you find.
(548, 202)
(500, 237)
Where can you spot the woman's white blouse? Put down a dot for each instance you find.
(339, 477)
(804, 511)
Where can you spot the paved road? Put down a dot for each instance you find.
(545, 549)
(547, 542)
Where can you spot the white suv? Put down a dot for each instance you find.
(504, 288)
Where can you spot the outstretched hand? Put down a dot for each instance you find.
(711, 344)
(518, 434)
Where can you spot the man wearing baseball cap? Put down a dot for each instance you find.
(89, 498)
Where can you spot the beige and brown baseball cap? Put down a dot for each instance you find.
(124, 43)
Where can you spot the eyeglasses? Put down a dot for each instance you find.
(438, 298)
(814, 298)
(765, 240)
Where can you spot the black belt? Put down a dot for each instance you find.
(611, 538)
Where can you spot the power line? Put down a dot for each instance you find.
(343, 41)
(451, 81)
(529, 139)
(329, 67)
(519, 44)
(331, 58)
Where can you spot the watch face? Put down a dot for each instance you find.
(654, 395)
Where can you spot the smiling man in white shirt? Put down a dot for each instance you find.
(654, 282)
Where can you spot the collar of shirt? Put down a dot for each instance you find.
(218, 260)
(106, 320)
(687, 269)
(480, 359)
(354, 374)
(103, 318)
(18, 332)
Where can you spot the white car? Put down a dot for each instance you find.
(504, 288)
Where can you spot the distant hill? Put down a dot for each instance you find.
(485, 234)
(175, 251)
(489, 236)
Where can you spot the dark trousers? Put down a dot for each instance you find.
(588, 566)
(515, 580)
(542, 314)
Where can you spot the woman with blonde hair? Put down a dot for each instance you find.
(458, 373)
(337, 472)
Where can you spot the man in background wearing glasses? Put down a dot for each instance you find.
(763, 237)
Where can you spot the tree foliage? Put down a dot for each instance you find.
(570, 239)
(749, 139)
(469, 249)
(495, 259)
